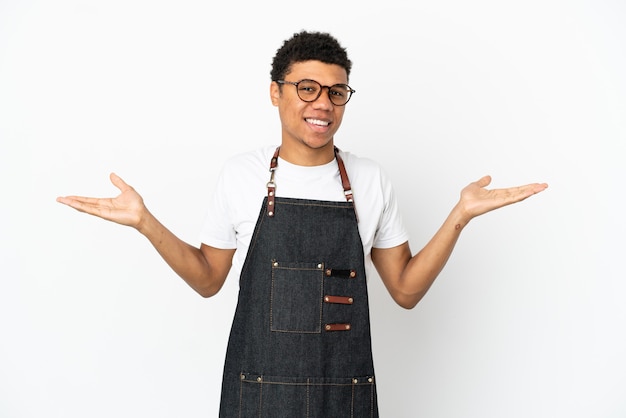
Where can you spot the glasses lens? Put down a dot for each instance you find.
(309, 90)
(339, 94)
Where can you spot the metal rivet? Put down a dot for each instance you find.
(275, 263)
(355, 381)
(326, 299)
(353, 273)
(327, 327)
(347, 326)
(270, 203)
(350, 300)
(271, 193)
(271, 213)
(319, 266)
(243, 376)
(328, 272)
(258, 379)
(370, 380)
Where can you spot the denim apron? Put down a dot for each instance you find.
(300, 341)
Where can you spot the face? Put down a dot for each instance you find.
(308, 128)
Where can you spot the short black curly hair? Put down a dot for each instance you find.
(305, 46)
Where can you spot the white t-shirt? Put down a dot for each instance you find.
(242, 185)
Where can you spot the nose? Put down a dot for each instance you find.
(323, 101)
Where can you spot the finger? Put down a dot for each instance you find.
(89, 205)
(484, 181)
(531, 189)
(539, 187)
(516, 194)
(119, 183)
(69, 200)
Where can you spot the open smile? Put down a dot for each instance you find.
(317, 122)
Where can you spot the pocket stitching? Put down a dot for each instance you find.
(298, 267)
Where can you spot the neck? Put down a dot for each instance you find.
(307, 156)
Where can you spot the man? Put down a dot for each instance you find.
(300, 340)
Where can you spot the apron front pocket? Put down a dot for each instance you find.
(289, 397)
(296, 297)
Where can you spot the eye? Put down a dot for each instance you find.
(339, 91)
(308, 88)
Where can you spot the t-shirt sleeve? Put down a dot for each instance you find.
(391, 230)
(218, 229)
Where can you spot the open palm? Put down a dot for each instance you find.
(477, 200)
(126, 209)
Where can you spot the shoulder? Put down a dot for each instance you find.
(245, 173)
(364, 171)
(252, 159)
(249, 167)
(357, 161)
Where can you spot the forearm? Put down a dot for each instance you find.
(408, 277)
(187, 261)
(204, 269)
(425, 266)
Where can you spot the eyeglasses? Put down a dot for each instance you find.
(310, 91)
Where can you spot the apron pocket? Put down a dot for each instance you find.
(296, 297)
(288, 397)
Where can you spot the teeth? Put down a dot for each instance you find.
(317, 122)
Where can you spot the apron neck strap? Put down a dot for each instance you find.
(271, 185)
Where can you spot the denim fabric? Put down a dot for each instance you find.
(282, 361)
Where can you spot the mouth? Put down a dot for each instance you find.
(317, 122)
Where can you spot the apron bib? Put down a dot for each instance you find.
(300, 341)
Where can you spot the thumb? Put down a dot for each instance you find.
(119, 183)
(484, 181)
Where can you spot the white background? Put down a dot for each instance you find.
(527, 320)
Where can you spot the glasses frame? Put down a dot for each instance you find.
(319, 92)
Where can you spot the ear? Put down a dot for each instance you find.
(274, 93)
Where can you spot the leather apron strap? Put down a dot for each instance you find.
(271, 185)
